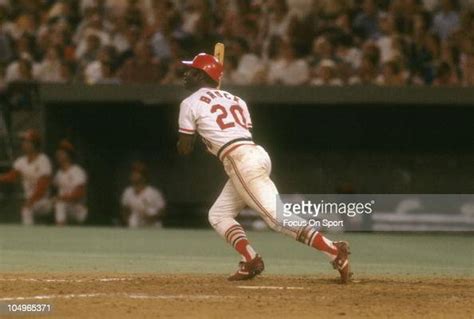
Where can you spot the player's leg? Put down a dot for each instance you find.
(27, 216)
(78, 212)
(134, 220)
(249, 172)
(222, 218)
(60, 214)
(41, 207)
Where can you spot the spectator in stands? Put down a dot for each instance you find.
(392, 74)
(93, 25)
(427, 57)
(173, 73)
(166, 19)
(3, 83)
(66, 72)
(366, 74)
(133, 13)
(322, 49)
(142, 204)
(248, 64)
(326, 74)
(93, 72)
(6, 48)
(343, 23)
(49, 70)
(108, 74)
(25, 45)
(34, 169)
(468, 67)
(278, 19)
(141, 68)
(347, 52)
(371, 51)
(70, 181)
(445, 76)
(466, 48)
(230, 75)
(366, 21)
(24, 25)
(128, 40)
(178, 29)
(287, 68)
(24, 53)
(241, 20)
(20, 70)
(387, 38)
(90, 52)
(332, 8)
(447, 20)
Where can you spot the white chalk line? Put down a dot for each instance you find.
(67, 280)
(271, 287)
(115, 295)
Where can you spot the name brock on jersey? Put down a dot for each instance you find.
(218, 116)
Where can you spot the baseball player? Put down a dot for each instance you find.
(70, 181)
(34, 168)
(142, 203)
(223, 122)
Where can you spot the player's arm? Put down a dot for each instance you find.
(156, 204)
(40, 190)
(77, 194)
(185, 143)
(187, 128)
(9, 177)
(43, 183)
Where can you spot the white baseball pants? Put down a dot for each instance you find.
(73, 211)
(41, 207)
(249, 184)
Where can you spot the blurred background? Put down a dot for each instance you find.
(348, 96)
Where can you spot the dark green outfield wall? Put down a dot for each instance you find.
(377, 140)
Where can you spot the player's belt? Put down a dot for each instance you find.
(231, 145)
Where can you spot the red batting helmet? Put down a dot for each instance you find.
(209, 64)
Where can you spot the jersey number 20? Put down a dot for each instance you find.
(235, 110)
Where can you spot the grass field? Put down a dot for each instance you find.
(103, 270)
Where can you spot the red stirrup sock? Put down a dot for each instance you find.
(313, 238)
(235, 236)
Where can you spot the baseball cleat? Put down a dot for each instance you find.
(341, 263)
(248, 269)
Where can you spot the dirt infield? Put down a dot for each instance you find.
(204, 296)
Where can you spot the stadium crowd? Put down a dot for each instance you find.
(289, 42)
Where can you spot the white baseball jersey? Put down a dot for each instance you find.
(217, 116)
(32, 171)
(148, 202)
(67, 181)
